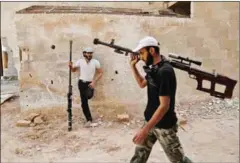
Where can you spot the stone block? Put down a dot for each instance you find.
(123, 117)
(23, 123)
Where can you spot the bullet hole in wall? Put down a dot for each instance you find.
(51, 81)
(30, 75)
(53, 47)
(116, 72)
(112, 79)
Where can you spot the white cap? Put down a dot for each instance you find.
(88, 49)
(146, 41)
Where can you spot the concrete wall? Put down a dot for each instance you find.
(8, 27)
(211, 36)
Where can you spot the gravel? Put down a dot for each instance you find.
(209, 109)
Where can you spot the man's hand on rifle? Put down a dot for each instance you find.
(134, 60)
(73, 69)
(70, 65)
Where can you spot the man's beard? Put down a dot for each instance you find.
(88, 57)
(149, 59)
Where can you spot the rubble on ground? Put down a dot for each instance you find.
(212, 108)
(32, 120)
(31, 116)
(23, 123)
(123, 117)
(182, 121)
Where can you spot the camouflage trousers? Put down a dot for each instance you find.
(169, 141)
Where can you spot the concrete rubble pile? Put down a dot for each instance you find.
(32, 120)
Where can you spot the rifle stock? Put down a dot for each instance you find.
(219, 79)
(69, 95)
(214, 79)
(200, 76)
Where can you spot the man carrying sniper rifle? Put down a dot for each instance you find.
(160, 117)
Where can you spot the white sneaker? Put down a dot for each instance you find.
(87, 124)
(90, 124)
(94, 124)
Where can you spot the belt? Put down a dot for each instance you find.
(84, 81)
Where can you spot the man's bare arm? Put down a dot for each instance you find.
(73, 68)
(160, 112)
(99, 74)
(140, 80)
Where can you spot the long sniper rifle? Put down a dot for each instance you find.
(69, 95)
(194, 73)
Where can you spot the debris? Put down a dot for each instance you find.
(6, 97)
(32, 116)
(100, 123)
(210, 107)
(38, 120)
(133, 122)
(218, 102)
(123, 117)
(181, 123)
(44, 117)
(23, 123)
(218, 112)
(32, 124)
(109, 124)
(18, 151)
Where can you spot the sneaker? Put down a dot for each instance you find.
(94, 124)
(90, 124)
(87, 124)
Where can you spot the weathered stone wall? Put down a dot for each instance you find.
(211, 36)
(8, 27)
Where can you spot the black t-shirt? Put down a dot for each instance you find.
(161, 81)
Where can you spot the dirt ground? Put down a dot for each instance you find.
(211, 134)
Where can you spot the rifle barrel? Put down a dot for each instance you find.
(111, 45)
(70, 92)
(171, 55)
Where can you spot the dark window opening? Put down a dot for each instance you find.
(182, 8)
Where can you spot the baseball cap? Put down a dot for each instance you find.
(146, 41)
(88, 49)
